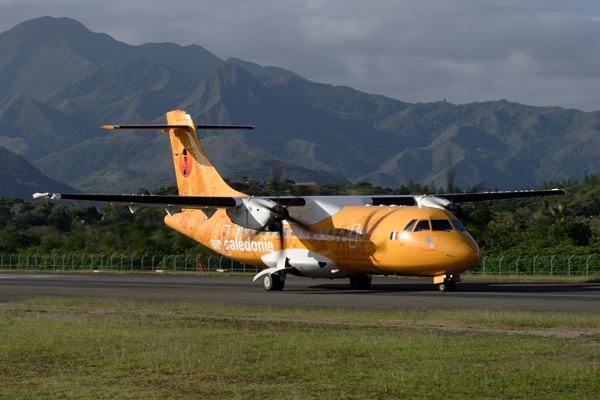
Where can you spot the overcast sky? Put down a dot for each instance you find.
(533, 52)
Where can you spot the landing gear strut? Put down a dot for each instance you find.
(360, 282)
(274, 281)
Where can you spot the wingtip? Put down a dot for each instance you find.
(110, 127)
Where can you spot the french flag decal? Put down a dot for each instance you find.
(394, 235)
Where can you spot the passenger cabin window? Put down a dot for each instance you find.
(285, 232)
(353, 234)
(423, 225)
(300, 232)
(244, 231)
(410, 225)
(323, 233)
(293, 231)
(330, 234)
(361, 236)
(337, 234)
(308, 233)
(237, 230)
(249, 232)
(316, 233)
(345, 234)
(457, 225)
(441, 225)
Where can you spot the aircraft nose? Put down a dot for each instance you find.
(467, 253)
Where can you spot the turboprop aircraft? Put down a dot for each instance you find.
(327, 237)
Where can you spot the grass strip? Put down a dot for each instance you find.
(75, 348)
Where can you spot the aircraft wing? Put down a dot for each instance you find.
(409, 200)
(137, 201)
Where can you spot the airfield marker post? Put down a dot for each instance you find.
(175, 263)
(534, 264)
(153, 262)
(587, 266)
(54, 262)
(186, 258)
(143, 261)
(500, 265)
(517, 265)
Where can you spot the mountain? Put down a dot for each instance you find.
(20, 179)
(59, 82)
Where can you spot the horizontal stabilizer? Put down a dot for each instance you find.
(166, 127)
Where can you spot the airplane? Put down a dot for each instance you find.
(330, 237)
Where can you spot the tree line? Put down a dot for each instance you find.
(562, 225)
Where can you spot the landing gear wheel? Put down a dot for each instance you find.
(272, 282)
(360, 282)
(444, 287)
(452, 286)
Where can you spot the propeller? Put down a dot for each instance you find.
(279, 213)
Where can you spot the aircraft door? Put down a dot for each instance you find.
(225, 239)
(354, 236)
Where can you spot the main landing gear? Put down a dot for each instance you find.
(274, 281)
(449, 283)
(360, 282)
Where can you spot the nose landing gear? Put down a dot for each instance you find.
(446, 283)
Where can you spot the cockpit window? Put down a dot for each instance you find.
(457, 225)
(410, 225)
(423, 225)
(441, 225)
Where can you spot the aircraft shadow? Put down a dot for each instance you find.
(469, 287)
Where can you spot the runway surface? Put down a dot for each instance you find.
(306, 293)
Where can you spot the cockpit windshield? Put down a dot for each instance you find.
(441, 225)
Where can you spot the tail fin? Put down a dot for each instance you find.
(196, 176)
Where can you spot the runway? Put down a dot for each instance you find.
(306, 293)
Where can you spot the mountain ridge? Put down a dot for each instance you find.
(63, 80)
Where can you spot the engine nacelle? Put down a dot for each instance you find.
(438, 202)
(254, 213)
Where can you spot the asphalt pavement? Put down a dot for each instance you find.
(384, 293)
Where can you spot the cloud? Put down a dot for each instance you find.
(530, 51)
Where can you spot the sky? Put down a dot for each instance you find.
(535, 52)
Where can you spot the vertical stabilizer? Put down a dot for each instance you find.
(196, 176)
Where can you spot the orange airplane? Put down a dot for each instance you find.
(315, 236)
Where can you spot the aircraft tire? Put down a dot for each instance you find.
(269, 282)
(360, 282)
(273, 282)
(443, 287)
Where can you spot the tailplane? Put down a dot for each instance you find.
(196, 176)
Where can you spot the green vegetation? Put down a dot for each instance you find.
(558, 225)
(69, 348)
(46, 227)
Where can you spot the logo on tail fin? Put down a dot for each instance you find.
(186, 163)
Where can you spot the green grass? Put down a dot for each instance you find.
(73, 348)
